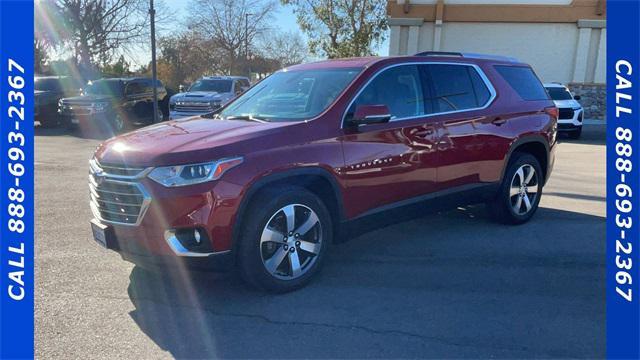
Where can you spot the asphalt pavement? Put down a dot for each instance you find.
(440, 285)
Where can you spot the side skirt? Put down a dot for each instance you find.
(413, 208)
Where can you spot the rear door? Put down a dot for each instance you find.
(394, 161)
(470, 131)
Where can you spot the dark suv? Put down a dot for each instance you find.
(48, 90)
(117, 103)
(269, 180)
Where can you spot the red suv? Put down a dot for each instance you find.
(267, 181)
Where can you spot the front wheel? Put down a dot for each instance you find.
(118, 124)
(284, 239)
(519, 194)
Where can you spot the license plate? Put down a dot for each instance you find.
(99, 233)
(75, 121)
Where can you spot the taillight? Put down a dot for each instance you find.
(552, 111)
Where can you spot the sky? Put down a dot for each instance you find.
(285, 20)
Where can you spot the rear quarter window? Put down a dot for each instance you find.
(524, 81)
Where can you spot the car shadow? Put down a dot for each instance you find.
(591, 134)
(452, 284)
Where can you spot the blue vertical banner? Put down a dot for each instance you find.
(623, 182)
(16, 179)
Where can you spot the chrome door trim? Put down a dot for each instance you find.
(480, 72)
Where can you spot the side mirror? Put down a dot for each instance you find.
(371, 114)
(576, 97)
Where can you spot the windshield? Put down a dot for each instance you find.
(292, 95)
(220, 86)
(47, 84)
(105, 87)
(558, 93)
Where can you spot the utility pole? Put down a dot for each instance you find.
(154, 73)
(246, 43)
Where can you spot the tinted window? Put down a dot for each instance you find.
(104, 87)
(135, 88)
(480, 89)
(523, 80)
(399, 88)
(292, 95)
(221, 86)
(457, 87)
(558, 93)
(44, 84)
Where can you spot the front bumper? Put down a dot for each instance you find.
(209, 207)
(573, 123)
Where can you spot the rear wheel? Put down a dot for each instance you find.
(284, 239)
(519, 194)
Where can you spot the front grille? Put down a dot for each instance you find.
(120, 170)
(195, 107)
(565, 113)
(115, 196)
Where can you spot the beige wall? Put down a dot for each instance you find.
(564, 40)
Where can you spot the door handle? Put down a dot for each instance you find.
(425, 132)
(498, 121)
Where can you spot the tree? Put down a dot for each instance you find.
(341, 28)
(287, 48)
(95, 29)
(119, 68)
(231, 26)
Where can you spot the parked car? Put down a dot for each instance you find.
(269, 184)
(570, 112)
(118, 103)
(48, 90)
(206, 95)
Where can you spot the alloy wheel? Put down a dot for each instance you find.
(291, 241)
(524, 188)
(118, 123)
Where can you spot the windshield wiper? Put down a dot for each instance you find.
(246, 118)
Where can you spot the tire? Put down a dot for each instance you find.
(575, 134)
(513, 203)
(48, 124)
(118, 124)
(265, 260)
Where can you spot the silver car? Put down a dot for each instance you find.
(206, 95)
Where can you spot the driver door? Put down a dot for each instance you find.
(394, 161)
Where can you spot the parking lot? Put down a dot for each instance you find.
(449, 284)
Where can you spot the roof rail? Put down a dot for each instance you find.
(439, 53)
(468, 55)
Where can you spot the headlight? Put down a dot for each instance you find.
(182, 175)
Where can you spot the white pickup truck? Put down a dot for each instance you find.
(206, 95)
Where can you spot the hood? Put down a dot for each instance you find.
(197, 96)
(89, 98)
(184, 141)
(567, 104)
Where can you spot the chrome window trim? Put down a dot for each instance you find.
(480, 72)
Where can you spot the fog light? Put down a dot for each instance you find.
(191, 239)
(196, 236)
